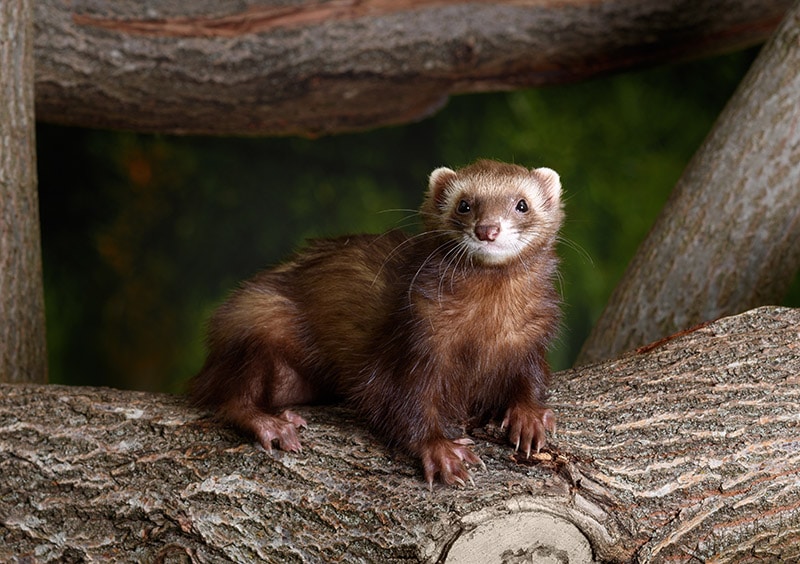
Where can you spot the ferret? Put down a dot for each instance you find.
(419, 334)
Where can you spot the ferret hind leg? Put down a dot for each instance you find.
(266, 385)
(257, 366)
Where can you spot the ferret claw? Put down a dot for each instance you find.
(449, 459)
(294, 419)
(527, 427)
(281, 429)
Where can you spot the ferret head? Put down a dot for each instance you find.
(496, 212)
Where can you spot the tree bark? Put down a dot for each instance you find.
(23, 355)
(314, 67)
(684, 451)
(729, 237)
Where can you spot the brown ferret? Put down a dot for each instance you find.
(418, 333)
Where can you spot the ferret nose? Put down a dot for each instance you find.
(487, 232)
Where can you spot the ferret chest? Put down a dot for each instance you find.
(484, 321)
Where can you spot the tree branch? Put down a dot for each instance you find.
(23, 356)
(314, 67)
(729, 237)
(687, 449)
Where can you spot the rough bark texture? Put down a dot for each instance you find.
(729, 237)
(685, 451)
(321, 66)
(22, 335)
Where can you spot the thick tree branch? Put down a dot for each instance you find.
(686, 450)
(312, 67)
(729, 237)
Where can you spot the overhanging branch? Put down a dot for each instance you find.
(318, 67)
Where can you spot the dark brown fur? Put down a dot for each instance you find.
(419, 334)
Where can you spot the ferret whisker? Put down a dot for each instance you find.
(519, 246)
(449, 256)
(413, 215)
(396, 210)
(407, 224)
(409, 211)
(387, 233)
(391, 254)
(463, 251)
(577, 248)
(454, 265)
(560, 282)
(430, 256)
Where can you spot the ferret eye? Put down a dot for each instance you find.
(463, 207)
(522, 206)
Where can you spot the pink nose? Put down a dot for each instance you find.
(487, 232)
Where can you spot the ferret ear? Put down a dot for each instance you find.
(437, 183)
(550, 183)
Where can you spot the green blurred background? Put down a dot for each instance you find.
(143, 235)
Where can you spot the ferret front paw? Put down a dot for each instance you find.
(448, 459)
(281, 428)
(527, 425)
